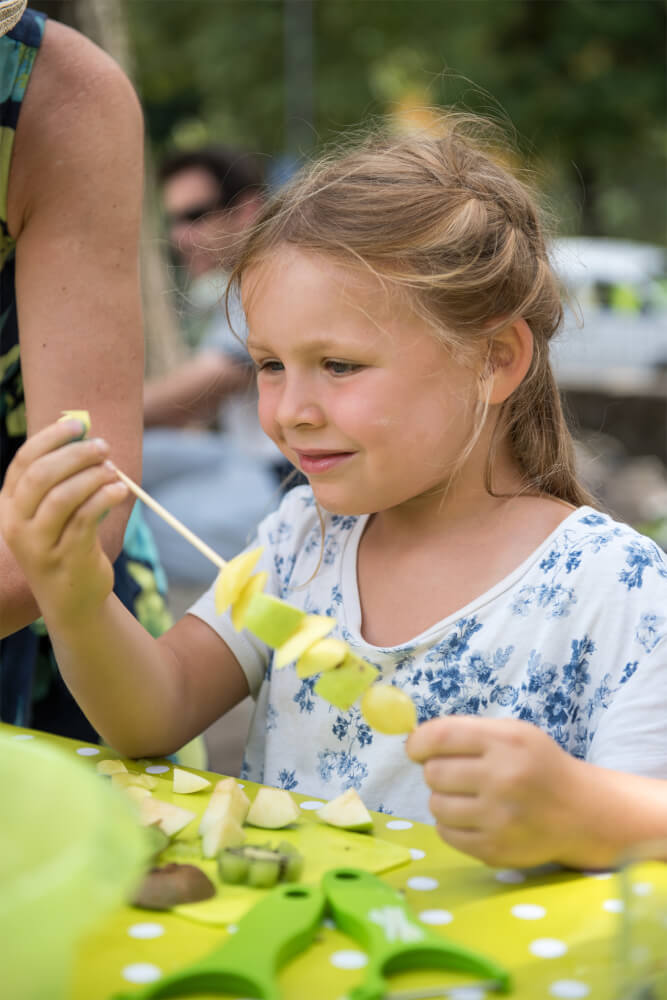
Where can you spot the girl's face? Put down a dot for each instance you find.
(353, 387)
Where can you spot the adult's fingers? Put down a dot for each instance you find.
(454, 735)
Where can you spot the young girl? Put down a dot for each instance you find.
(400, 304)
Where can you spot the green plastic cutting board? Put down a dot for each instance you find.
(323, 847)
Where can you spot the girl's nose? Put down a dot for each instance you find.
(299, 405)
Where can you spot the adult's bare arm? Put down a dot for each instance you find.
(74, 209)
(193, 391)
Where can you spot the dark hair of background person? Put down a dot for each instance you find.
(236, 173)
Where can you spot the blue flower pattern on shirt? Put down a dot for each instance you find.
(536, 651)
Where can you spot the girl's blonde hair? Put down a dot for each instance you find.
(442, 218)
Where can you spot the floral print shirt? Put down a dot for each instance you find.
(574, 640)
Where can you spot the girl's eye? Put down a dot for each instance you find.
(270, 365)
(341, 367)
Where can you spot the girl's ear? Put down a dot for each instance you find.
(510, 355)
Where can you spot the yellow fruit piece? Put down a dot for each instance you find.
(82, 415)
(233, 578)
(111, 767)
(272, 620)
(323, 655)
(344, 684)
(312, 628)
(185, 782)
(133, 779)
(388, 709)
(254, 585)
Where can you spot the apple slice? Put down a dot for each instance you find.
(347, 812)
(388, 709)
(312, 628)
(240, 801)
(224, 832)
(136, 793)
(345, 683)
(226, 804)
(322, 655)
(169, 818)
(253, 586)
(123, 780)
(233, 578)
(185, 782)
(272, 620)
(111, 767)
(272, 809)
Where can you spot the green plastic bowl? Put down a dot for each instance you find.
(71, 850)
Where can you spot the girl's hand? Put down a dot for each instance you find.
(55, 492)
(502, 790)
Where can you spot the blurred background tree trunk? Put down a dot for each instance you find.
(103, 21)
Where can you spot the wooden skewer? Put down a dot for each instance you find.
(172, 521)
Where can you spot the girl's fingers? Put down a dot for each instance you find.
(54, 468)
(457, 812)
(460, 735)
(83, 523)
(454, 775)
(44, 441)
(67, 498)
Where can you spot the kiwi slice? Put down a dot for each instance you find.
(260, 866)
(172, 884)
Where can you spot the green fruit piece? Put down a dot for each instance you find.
(255, 585)
(347, 811)
(233, 577)
(345, 683)
(272, 809)
(184, 850)
(388, 709)
(233, 867)
(158, 841)
(272, 620)
(321, 656)
(82, 415)
(263, 873)
(293, 869)
(312, 628)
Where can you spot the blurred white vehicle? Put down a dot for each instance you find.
(615, 331)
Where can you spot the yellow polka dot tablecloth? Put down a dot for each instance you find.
(559, 934)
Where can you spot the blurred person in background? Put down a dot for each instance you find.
(206, 458)
(71, 145)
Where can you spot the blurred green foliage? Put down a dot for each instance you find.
(582, 81)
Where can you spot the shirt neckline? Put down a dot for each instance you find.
(351, 605)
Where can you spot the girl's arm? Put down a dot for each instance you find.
(144, 696)
(505, 792)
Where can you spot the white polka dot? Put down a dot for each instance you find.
(240, 784)
(569, 989)
(416, 854)
(349, 959)
(528, 911)
(422, 884)
(232, 928)
(328, 922)
(599, 875)
(156, 769)
(145, 931)
(613, 905)
(510, 875)
(548, 947)
(142, 972)
(642, 888)
(399, 824)
(88, 751)
(436, 917)
(312, 804)
(23, 736)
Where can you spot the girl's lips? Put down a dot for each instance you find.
(313, 462)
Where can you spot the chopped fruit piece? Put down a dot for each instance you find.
(172, 884)
(111, 767)
(135, 792)
(347, 812)
(344, 684)
(260, 867)
(222, 832)
(323, 655)
(82, 415)
(233, 578)
(134, 779)
(170, 818)
(255, 585)
(388, 709)
(185, 782)
(312, 628)
(272, 809)
(227, 798)
(272, 620)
